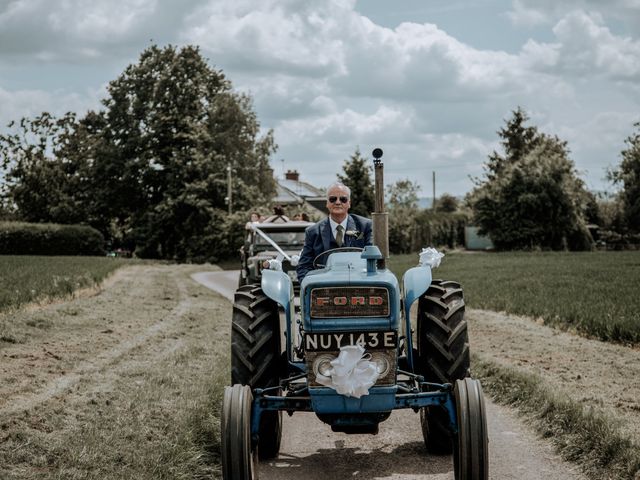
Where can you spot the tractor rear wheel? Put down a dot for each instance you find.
(443, 354)
(239, 462)
(470, 451)
(255, 356)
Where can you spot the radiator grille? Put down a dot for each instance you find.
(332, 302)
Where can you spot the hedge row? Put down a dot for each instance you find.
(18, 238)
(411, 230)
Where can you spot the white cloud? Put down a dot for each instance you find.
(328, 79)
(524, 14)
(351, 55)
(271, 36)
(586, 47)
(71, 31)
(347, 126)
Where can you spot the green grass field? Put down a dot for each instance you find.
(25, 279)
(595, 293)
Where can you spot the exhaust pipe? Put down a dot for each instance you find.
(379, 217)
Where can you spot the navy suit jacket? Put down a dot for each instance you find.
(318, 239)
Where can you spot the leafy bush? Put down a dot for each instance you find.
(412, 229)
(440, 229)
(19, 238)
(617, 241)
(207, 235)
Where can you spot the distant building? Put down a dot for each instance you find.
(294, 194)
(474, 241)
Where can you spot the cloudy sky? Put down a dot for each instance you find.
(428, 81)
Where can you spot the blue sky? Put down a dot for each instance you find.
(430, 82)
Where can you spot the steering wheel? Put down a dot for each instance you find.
(316, 261)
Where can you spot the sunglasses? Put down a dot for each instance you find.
(333, 199)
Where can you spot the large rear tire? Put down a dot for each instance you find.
(255, 356)
(471, 446)
(443, 354)
(239, 461)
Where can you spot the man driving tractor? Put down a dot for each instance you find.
(339, 229)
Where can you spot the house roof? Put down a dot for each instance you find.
(285, 197)
(295, 192)
(302, 189)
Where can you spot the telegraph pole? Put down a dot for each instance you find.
(433, 205)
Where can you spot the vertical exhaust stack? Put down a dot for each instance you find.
(379, 216)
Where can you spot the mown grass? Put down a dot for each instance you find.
(151, 414)
(163, 422)
(25, 279)
(594, 293)
(582, 435)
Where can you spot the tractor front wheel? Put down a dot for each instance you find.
(255, 356)
(239, 461)
(470, 448)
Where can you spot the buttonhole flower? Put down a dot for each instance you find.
(355, 233)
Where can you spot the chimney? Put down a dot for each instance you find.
(292, 175)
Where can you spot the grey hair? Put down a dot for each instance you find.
(338, 185)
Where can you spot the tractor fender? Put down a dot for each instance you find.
(415, 282)
(278, 287)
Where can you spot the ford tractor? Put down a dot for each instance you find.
(354, 353)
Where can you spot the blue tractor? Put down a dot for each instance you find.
(351, 355)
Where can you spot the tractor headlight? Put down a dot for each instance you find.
(381, 363)
(322, 365)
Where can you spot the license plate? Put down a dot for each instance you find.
(314, 342)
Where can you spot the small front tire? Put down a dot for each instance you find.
(471, 445)
(239, 460)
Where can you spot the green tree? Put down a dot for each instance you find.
(403, 193)
(41, 183)
(531, 196)
(592, 209)
(516, 139)
(403, 210)
(150, 169)
(173, 126)
(357, 176)
(447, 204)
(536, 201)
(628, 174)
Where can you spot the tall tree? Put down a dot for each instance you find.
(173, 126)
(447, 203)
(357, 176)
(403, 194)
(403, 211)
(151, 168)
(516, 139)
(531, 196)
(628, 174)
(40, 182)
